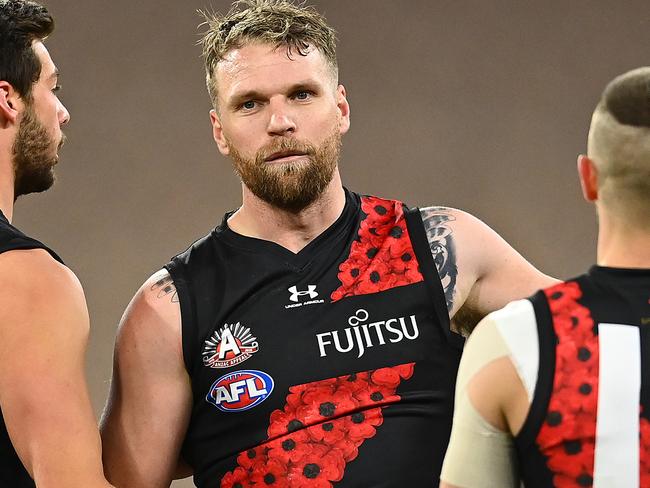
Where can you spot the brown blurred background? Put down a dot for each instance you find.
(480, 105)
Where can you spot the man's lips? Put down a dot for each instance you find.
(285, 156)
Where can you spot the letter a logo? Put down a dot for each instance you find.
(228, 344)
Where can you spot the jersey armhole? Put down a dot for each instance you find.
(544, 387)
(27, 243)
(429, 271)
(188, 320)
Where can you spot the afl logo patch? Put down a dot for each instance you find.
(240, 390)
(230, 345)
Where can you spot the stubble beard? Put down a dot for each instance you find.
(33, 156)
(290, 186)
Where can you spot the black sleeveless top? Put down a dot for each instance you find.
(334, 366)
(589, 421)
(12, 472)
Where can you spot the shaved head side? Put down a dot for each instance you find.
(619, 146)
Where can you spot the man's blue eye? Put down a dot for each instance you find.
(303, 95)
(249, 105)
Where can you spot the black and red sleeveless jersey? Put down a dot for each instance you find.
(589, 421)
(12, 472)
(334, 366)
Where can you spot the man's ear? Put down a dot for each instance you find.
(344, 109)
(9, 104)
(588, 178)
(217, 133)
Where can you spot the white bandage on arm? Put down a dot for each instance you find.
(480, 455)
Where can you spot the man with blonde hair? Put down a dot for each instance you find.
(553, 390)
(306, 340)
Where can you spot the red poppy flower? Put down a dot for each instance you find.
(388, 377)
(329, 432)
(247, 459)
(273, 473)
(573, 459)
(318, 469)
(325, 405)
(376, 395)
(283, 422)
(354, 382)
(361, 425)
(319, 389)
(290, 448)
(238, 478)
(563, 295)
(579, 392)
(405, 371)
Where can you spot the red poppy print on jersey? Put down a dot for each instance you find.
(382, 256)
(644, 452)
(320, 429)
(568, 435)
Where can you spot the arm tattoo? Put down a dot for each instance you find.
(165, 286)
(439, 233)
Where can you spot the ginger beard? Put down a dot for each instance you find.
(35, 153)
(294, 185)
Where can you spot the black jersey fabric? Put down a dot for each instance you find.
(12, 473)
(334, 366)
(557, 442)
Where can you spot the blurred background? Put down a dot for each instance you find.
(477, 105)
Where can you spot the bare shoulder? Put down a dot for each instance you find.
(37, 289)
(153, 315)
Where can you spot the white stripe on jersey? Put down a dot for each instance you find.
(616, 463)
(518, 328)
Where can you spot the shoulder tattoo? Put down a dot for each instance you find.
(165, 287)
(439, 234)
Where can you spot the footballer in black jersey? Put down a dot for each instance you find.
(311, 338)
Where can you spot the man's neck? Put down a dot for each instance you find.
(623, 246)
(293, 231)
(6, 186)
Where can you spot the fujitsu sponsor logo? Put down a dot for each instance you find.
(232, 344)
(363, 334)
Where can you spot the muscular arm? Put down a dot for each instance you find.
(43, 393)
(479, 271)
(148, 409)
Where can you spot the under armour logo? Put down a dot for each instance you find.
(311, 291)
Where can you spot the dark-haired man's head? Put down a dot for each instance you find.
(619, 147)
(28, 86)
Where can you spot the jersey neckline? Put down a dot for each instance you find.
(619, 273)
(328, 236)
